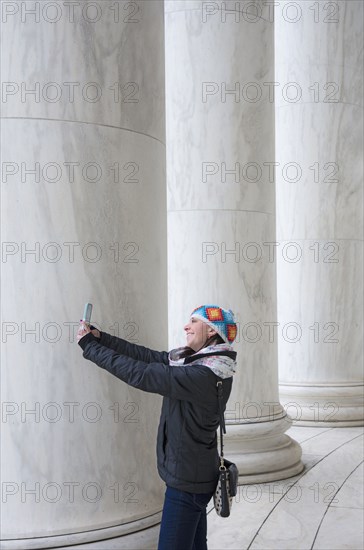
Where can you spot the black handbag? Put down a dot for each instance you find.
(227, 484)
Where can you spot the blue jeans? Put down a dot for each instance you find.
(184, 522)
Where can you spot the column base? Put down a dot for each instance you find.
(135, 532)
(334, 405)
(261, 450)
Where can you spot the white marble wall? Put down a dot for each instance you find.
(211, 213)
(89, 450)
(319, 216)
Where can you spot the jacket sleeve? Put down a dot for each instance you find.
(186, 383)
(133, 350)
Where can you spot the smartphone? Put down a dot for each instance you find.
(87, 313)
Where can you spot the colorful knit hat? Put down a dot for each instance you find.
(221, 320)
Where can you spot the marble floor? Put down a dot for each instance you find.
(319, 509)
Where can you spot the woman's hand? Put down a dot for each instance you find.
(83, 329)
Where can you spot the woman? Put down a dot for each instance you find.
(186, 377)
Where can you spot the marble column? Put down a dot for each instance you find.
(319, 144)
(221, 209)
(83, 219)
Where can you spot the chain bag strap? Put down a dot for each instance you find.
(227, 483)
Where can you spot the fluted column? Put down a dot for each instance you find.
(319, 146)
(221, 209)
(83, 219)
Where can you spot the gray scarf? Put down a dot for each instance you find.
(222, 365)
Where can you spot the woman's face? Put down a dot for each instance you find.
(197, 333)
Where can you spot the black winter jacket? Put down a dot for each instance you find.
(187, 455)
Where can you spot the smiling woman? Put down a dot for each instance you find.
(208, 325)
(197, 332)
(186, 377)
